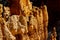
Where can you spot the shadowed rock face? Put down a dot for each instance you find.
(14, 6)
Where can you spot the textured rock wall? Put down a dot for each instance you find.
(30, 24)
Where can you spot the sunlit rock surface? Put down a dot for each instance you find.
(23, 21)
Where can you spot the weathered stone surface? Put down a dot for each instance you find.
(30, 23)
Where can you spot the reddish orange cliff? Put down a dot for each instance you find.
(14, 6)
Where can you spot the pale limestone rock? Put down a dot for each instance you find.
(7, 32)
(23, 21)
(18, 24)
(13, 25)
(45, 20)
(1, 9)
(6, 12)
(1, 35)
